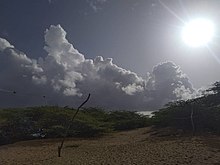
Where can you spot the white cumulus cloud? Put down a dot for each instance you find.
(64, 76)
(4, 44)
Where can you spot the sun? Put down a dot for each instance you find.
(198, 32)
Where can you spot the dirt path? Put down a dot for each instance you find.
(131, 147)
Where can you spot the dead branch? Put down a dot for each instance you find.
(67, 130)
(192, 122)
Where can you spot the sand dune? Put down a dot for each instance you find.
(130, 147)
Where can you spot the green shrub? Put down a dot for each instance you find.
(51, 122)
(206, 119)
(125, 120)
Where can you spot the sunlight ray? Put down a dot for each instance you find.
(184, 9)
(213, 54)
(171, 11)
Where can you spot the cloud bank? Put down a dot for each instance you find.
(65, 77)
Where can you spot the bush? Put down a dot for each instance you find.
(51, 122)
(125, 120)
(206, 119)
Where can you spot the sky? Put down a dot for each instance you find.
(126, 53)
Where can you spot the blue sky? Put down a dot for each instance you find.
(138, 35)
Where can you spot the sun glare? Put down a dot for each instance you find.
(198, 32)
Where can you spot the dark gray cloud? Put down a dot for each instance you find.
(64, 76)
(167, 83)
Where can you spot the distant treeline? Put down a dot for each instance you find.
(51, 122)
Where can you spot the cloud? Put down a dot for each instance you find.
(64, 76)
(4, 44)
(168, 83)
(96, 4)
(62, 65)
(131, 89)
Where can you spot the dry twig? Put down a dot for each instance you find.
(67, 130)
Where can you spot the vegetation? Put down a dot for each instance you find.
(51, 122)
(206, 113)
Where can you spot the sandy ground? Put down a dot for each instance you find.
(131, 147)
